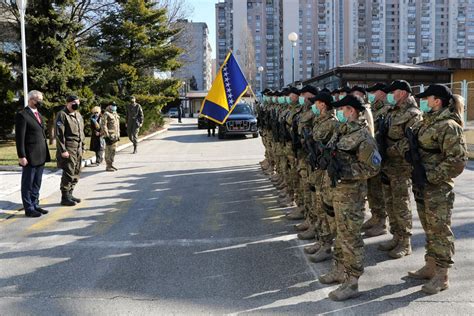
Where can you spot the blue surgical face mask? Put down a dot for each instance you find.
(301, 100)
(315, 110)
(274, 99)
(391, 99)
(113, 108)
(288, 100)
(371, 97)
(340, 116)
(334, 98)
(342, 96)
(424, 106)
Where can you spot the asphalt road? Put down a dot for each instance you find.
(190, 226)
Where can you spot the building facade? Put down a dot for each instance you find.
(338, 32)
(196, 59)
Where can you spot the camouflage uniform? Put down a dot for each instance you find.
(110, 127)
(282, 150)
(69, 138)
(305, 121)
(134, 121)
(359, 159)
(396, 186)
(323, 130)
(443, 153)
(294, 179)
(374, 185)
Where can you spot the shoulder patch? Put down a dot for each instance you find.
(376, 158)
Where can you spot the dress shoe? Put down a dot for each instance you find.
(42, 210)
(32, 214)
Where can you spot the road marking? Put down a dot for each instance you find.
(53, 217)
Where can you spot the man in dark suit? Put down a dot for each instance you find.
(33, 153)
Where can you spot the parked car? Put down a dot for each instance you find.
(173, 112)
(241, 121)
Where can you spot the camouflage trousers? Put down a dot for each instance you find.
(375, 197)
(325, 224)
(434, 207)
(396, 193)
(293, 177)
(303, 191)
(132, 132)
(348, 203)
(110, 154)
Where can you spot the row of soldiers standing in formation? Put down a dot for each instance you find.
(328, 152)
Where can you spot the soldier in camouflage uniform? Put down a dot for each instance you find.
(110, 127)
(262, 115)
(396, 172)
(69, 148)
(443, 152)
(354, 159)
(305, 121)
(324, 126)
(377, 224)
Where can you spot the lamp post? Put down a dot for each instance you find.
(260, 71)
(185, 92)
(21, 4)
(293, 37)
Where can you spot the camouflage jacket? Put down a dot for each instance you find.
(379, 109)
(110, 125)
(442, 145)
(399, 118)
(306, 119)
(356, 151)
(324, 127)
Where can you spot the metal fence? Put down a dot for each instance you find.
(463, 88)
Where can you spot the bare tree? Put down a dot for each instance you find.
(247, 56)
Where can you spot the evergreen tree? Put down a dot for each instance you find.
(134, 42)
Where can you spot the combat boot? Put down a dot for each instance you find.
(301, 227)
(73, 198)
(264, 164)
(438, 283)
(426, 272)
(380, 228)
(390, 244)
(66, 199)
(307, 234)
(402, 249)
(296, 214)
(336, 275)
(134, 148)
(287, 201)
(283, 194)
(348, 289)
(313, 248)
(275, 178)
(324, 253)
(370, 222)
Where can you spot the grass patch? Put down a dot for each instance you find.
(8, 156)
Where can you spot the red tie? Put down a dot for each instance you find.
(38, 117)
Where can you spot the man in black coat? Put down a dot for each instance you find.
(33, 153)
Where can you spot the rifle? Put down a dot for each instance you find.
(295, 140)
(334, 167)
(310, 147)
(418, 172)
(381, 136)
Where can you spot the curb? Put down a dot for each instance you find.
(85, 162)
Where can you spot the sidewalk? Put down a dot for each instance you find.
(10, 179)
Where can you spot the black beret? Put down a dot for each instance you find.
(358, 88)
(266, 91)
(378, 86)
(399, 85)
(323, 97)
(350, 100)
(437, 90)
(72, 98)
(310, 89)
(335, 91)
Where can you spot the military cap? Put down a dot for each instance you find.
(378, 86)
(358, 88)
(335, 91)
(326, 90)
(294, 90)
(399, 85)
(323, 97)
(72, 98)
(266, 91)
(310, 89)
(437, 90)
(350, 100)
(345, 89)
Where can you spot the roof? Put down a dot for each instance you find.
(463, 63)
(362, 66)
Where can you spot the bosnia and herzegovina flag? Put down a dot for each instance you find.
(227, 89)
